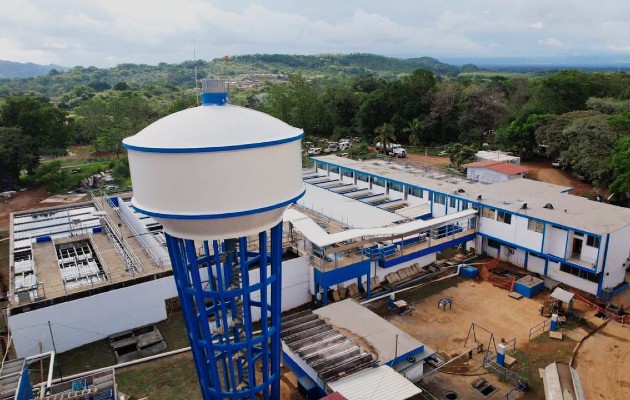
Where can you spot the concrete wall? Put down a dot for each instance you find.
(78, 322)
(486, 175)
(82, 321)
(555, 241)
(554, 272)
(618, 254)
(536, 264)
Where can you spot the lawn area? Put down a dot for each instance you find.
(539, 353)
(172, 378)
(100, 354)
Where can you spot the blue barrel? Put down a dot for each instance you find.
(469, 272)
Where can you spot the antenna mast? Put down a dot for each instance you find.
(195, 61)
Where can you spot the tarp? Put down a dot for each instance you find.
(562, 295)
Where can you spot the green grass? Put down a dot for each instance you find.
(539, 353)
(172, 378)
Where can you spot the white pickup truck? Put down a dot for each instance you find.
(398, 152)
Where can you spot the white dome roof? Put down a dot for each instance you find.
(212, 128)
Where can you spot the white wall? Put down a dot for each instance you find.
(555, 241)
(78, 322)
(486, 175)
(536, 264)
(553, 271)
(618, 253)
(89, 319)
(516, 232)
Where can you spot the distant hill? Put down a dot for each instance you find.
(11, 69)
(238, 67)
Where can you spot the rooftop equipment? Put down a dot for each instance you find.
(218, 177)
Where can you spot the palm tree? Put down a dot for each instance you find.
(385, 135)
(415, 130)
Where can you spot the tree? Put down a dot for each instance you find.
(461, 154)
(620, 163)
(415, 130)
(14, 154)
(385, 136)
(93, 119)
(443, 110)
(46, 130)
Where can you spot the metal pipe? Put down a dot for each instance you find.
(459, 266)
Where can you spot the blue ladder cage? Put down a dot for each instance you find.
(222, 288)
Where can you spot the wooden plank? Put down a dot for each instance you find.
(555, 335)
(515, 295)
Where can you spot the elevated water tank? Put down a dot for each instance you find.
(215, 171)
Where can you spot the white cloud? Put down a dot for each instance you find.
(552, 42)
(106, 32)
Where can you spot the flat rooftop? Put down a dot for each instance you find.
(59, 252)
(568, 210)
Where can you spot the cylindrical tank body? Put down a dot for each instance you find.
(218, 178)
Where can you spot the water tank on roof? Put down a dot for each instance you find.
(217, 170)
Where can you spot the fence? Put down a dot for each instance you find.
(539, 329)
(496, 280)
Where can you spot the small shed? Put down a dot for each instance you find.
(563, 296)
(529, 286)
(493, 171)
(497, 156)
(375, 383)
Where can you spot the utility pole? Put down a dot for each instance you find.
(52, 338)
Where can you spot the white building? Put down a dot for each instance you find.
(497, 156)
(493, 171)
(83, 272)
(532, 224)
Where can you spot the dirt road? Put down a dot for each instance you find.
(602, 362)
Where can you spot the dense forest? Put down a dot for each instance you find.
(581, 118)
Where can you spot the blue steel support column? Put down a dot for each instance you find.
(225, 349)
(276, 308)
(181, 281)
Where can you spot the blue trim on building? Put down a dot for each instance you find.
(544, 232)
(217, 216)
(601, 278)
(470, 202)
(420, 253)
(189, 150)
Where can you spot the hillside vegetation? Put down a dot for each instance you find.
(581, 118)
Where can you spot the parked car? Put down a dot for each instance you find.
(332, 147)
(398, 152)
(315, 150)
(556, 163)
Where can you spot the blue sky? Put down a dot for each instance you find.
(109, 32)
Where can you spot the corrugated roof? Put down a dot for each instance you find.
(504, 168)
(376, 383)
(334, 396)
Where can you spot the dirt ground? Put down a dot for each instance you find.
(540, 170)
(602, 362)
(23, 201)
(472, 302)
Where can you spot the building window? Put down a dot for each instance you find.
(378, 181)
(488, 213)
(452, 202)
(464, 205)
(592, 241)
(397, 186)
(334, 170)
(413, 191)
(580, 273)
(504, 217)
(346, 173)
(363, 177)
(535, 226)
(439, 198)
(494, 244)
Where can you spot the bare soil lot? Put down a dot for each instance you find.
(472, 301)
(602, 362)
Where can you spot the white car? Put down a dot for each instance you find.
(315, 150)
(556, 163)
